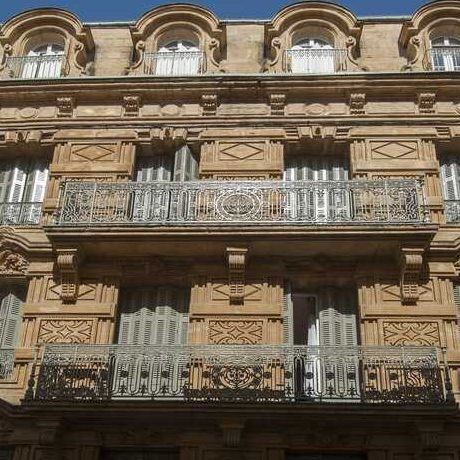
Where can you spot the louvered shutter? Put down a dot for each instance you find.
(154, 316)
(17, 183)
(10, 316)
(154, 168)
(457, 303)
(288, 330)
(451, 177)
(36, 182)
(6, 172)
(185, 165)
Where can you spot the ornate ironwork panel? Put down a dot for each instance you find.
(240, 373)
(312, 60)
(174, 63)
(32, 67)
(6, 362)
(452, 210)
(20, 213)
(243, 203)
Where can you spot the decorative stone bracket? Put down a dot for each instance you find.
(426, 103)
(231, 431)
(411, 271)
(12, 260)
(67, 264)
(357, 103)
(209, 103)
(131, 106)
(237, 259)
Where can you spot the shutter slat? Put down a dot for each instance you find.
(10, 316)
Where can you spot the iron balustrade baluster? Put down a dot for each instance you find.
(6, 362)
(174, 63)
(443, 59)
(313, 60)
(239, 373)
(35, 67)
(245, 203)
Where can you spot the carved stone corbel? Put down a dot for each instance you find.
(236, 258)
(426, 103)
(12, 259)
(357, 103)
(411, 271)
(67, 264)
(209, 104)
(131, 106)
(277, 104)
(65, 106)
(231, 431)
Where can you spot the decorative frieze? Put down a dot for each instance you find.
(242, 332)
(67, 264)
(65, 107)
(131, 106)
(236, 258)
(406, 333)
(65, 331)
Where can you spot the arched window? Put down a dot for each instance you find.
(44, 61)
(445, 54)
(179, 57)
(313, 55)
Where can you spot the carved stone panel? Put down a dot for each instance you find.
(65, 331)
(241, 332)
(99, 152)
(403, 333)
(384, 150)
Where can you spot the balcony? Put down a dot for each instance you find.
(356, 202)
(34, 67)
(20, 213)
(311, 60)
(6, 362)
(174, 63)
(239, 373)
(443, 59)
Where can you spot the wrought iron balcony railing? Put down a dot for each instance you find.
(452, 211)
(238, 373)
(248, 203)
(31, 67)
(443, 59)
(174, 63)
(26, 213)
(311, 60)
(6, 362)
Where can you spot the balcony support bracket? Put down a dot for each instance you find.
(67, 264)
(411, 272)
(236, 258)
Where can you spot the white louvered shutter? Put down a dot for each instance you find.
(457, 303)
(154, 316)
(451, 178)
(185, 165)
(288, 329)
(36, 182)
(6, 172)
(154, 168)
(17, 183)
(10, 316)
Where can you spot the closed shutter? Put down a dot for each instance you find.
(154, 316)
(288, 331)
(36, 182)
(457, 303)
(185, 165)
(450, 178)
(10, 316)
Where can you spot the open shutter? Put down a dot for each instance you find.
(450, 176)
(457, 303)
(154, 168)
(288, 331)
(185, 165)
(10, 317)
(36, 182)
(17, 183)
(6, 173)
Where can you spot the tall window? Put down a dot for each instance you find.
(445, 54)
(154, 316)
(312, 55)
(44, 61)
(179, 57)
(319, 202)
(22, 189)
(450, 175)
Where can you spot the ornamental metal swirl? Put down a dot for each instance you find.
(215, 373)
(6, 363)
(356, 202)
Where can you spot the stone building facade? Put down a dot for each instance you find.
(230, 239)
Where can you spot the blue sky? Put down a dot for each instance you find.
(112, 10)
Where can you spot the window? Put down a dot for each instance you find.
(22, 189)
(450, 174)
(154, 316)
(180, 57)
(319, 203)
(445, 54)
(313, 55)
(44, 61)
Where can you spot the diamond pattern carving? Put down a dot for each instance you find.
(221, 292)
(241, 152)
(399, 150)
(93, 152)
(235, 332)
(411, 333)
